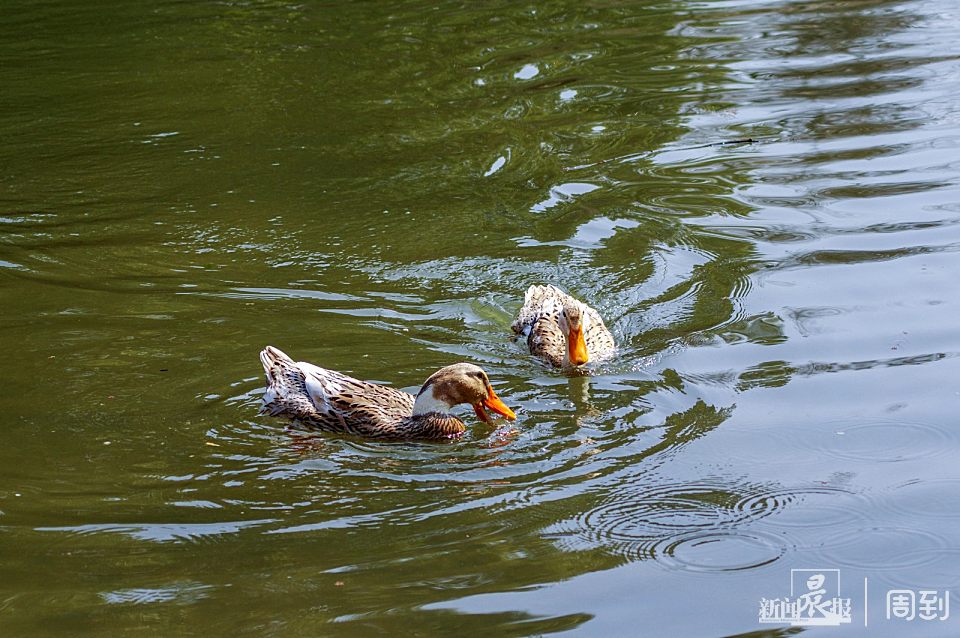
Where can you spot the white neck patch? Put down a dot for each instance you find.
(426, 403)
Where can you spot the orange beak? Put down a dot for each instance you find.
(494, 403)
(577, 347)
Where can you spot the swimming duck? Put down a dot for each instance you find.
(334, 402)
(560, 329)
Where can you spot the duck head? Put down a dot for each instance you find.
(456, 384)
(572, 319)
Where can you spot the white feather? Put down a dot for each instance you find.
(426, 402)
(320, 386)
(549, 306)
(269, 396)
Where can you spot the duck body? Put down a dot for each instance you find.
(331, 401)
(562, 330)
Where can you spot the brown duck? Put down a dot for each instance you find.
(334, 402)
(562, 330)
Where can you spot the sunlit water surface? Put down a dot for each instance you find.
(762, 198)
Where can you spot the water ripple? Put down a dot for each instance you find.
(188, 592)
(812, 507)
(721, 550)
(880, 547)
(937, 499)
(682, 525)
(875, 441)
(163, 532)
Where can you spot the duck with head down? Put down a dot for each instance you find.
(561, 330)
(334, 402)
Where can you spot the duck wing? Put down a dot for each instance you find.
(539, 321)
(330, 400)
(537, 301)
(599, 340)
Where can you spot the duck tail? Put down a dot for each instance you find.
(532, 294)
(282, 377)
(272, 359)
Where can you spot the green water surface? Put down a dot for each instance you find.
(761, 198)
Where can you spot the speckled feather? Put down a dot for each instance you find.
(334, 402)
(539, 321)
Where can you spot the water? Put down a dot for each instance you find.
(762, 198)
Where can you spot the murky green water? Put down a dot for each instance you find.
(371, 186)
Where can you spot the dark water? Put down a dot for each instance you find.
(371, 186)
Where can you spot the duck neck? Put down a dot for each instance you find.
(427, 403)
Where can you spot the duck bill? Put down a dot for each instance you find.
(577, 348)
(492, 402)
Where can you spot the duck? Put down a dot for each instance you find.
(331, 401)
(562, 330)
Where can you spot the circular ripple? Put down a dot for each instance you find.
(937, 499)
(667, 509)
(720, 550)
(803, 507)
(633, 527)
(940, 571)
(878, 441)
(883, 548)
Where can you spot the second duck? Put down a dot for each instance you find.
(562, 330)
